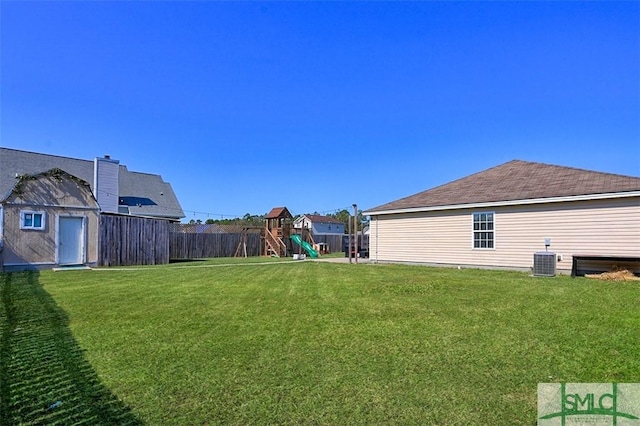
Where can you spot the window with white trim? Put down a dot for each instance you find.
(32, 220)
(483, 233)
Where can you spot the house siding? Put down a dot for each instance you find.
(327, 228)
(318, 227)
(604, 227)
(106, 184)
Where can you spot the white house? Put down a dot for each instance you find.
(327, 231)
(319, 225)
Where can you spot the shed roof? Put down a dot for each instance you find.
(513, 181)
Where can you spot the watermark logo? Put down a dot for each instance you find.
(573, 404)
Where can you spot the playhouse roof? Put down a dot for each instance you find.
(278, 212)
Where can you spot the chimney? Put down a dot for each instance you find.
(106, 183)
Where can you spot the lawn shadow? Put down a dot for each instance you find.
(44, 376)
(186, 260)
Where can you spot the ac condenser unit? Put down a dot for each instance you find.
(544, 264)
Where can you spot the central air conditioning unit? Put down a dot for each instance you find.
(544, 264)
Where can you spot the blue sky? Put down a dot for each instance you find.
(244, 106)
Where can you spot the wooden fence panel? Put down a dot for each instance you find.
(198, 246)
(130, 240)
(186, 245)
(333, 242)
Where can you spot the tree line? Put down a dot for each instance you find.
(248, 219)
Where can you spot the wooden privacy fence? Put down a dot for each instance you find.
(196, 246)
(333, 241)
(131, 240)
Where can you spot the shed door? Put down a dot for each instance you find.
(70, 241)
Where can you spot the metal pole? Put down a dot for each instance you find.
(355, 232)
(349, 239)
(376, 261)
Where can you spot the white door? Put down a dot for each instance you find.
(70, 241)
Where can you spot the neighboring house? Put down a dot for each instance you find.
(48, 219)
(117, 189)
(319, 225)
(327, 232)
(500, 217)
(50, 206)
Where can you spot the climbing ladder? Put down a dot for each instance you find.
(275, 245)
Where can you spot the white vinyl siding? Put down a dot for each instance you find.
(582, 227)
(106, 184)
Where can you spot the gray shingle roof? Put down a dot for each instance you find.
(131, 184)
(135, 184)
(516, 180)
(316, 218)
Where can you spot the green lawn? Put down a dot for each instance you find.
(304, 343)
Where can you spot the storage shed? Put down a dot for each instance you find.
(48, 219)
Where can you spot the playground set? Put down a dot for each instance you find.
(279, 238)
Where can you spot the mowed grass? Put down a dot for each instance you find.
(304, 343)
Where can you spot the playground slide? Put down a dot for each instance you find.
(305, 245)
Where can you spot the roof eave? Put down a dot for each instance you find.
(586, 197)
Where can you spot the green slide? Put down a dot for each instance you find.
(305, 245)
